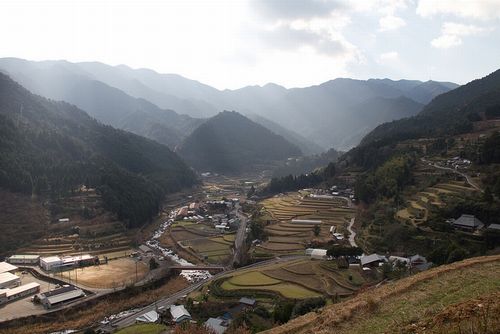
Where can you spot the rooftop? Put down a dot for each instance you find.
(178, 311)
(468, 221)
(5, 267)
(7, 277)
(247, 301)
(371, 258)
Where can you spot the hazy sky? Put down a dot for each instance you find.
(230, 44)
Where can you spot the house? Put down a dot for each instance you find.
(148, 317)
(179, 314)
(217, 325)
(338, 236)
(247, 301)
(467, 223)
(372, 260)
(7, 268)
(318, 254)
(419, 262)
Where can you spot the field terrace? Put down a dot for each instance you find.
(419, 203)
(203, 241)
(285, 237)
(298, 279)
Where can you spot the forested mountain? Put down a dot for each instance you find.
(307, 146)
(64, 81)
(324, 114)
(448, 114)
(230, 142)
(50, 148)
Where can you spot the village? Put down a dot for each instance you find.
(201, 241)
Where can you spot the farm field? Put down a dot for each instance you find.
(114, 274)
(446, 299)
(300, 279)
(418, 206)
(285, 237)
(203, 240)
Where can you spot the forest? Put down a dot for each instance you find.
(52, 148)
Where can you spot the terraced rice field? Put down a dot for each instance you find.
(417, 208)
(286, 237)
(203, 240)
(300, 279)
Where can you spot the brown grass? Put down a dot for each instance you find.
(333, 316)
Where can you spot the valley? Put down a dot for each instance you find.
(135, 201)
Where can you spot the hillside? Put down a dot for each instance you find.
(324, 114)
(230, 142)
(67, 82)
(448, 114)
(50, 148)
(445, 299)
(307, 146)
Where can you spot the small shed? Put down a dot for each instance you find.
(247, 301)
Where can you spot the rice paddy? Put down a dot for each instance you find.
(285, 237)
(300, 279)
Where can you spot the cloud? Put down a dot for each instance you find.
(386, 9)
(389, 57)
(452, 33)
(475, 9)
(285, 37)
(295, 9)
(391, 22)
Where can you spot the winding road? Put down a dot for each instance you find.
(467, 177)
(352, 234)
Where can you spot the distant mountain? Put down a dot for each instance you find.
(230, 142)
(308, 147)
(71, 83)
(51, 148)
(448, 114)
(321, 113)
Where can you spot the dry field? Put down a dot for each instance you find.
(285, 237)
(463, 295)
(418, 206)
(202, 240)
(301, 279)
(116, 273)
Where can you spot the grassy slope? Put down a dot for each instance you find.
(419, 303)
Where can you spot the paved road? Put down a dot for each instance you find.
(467, 177)
(240, 235)
(165, 302)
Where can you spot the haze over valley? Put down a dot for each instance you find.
(250, 166)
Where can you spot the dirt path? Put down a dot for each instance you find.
(352, 234)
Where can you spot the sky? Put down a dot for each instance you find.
(235, 43)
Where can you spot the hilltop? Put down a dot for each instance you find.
(230, 142)
(441, 300)
(327, 115)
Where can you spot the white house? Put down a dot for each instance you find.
(8, 280)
